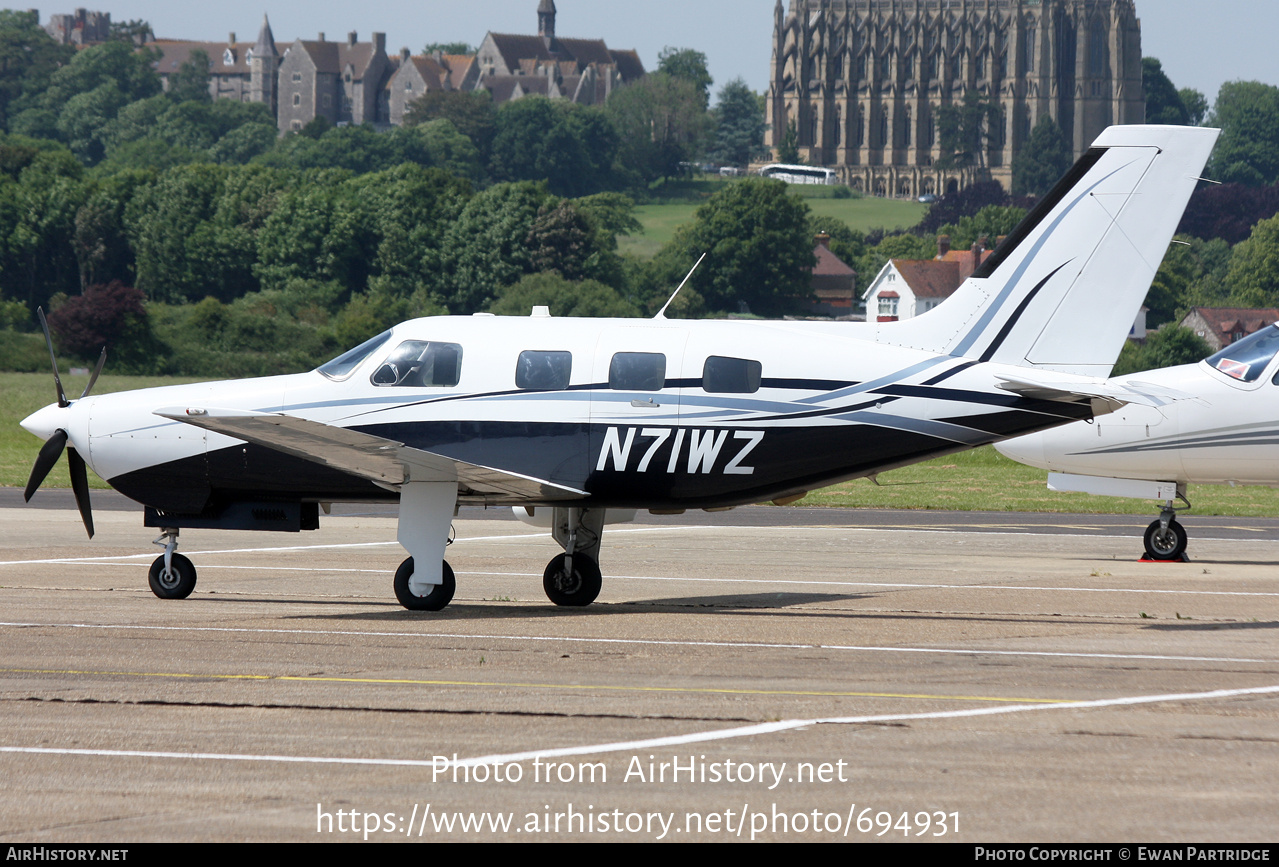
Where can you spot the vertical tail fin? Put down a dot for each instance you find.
(1062, 291)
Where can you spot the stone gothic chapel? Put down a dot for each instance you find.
(862, 81)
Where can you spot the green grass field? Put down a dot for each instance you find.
(976, 480)
(666, 213)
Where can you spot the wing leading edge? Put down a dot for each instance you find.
(383, 461)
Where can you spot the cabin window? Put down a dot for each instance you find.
(543, 371)
(637, 371)
(1246, 359)
(419, 364)
(731, 375)
(342, 366)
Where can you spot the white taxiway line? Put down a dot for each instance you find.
(654, 743)
(756, 645)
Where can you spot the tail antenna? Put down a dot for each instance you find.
(661, 314)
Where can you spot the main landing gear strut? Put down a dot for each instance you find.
(1165, 538)
(573, 578)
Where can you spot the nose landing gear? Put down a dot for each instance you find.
(1165, 538)
(172, 576)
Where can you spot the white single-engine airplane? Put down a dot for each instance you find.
(571, 419)
(1227, 436)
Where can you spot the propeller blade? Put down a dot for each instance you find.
(49, 454)
(62, 395)
(102, 359)
(80, 484)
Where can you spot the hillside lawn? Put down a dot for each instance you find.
(674, 204)
(978, 480)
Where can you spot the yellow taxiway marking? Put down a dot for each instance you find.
(518, 685)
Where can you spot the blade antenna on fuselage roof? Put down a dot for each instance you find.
(661, 314)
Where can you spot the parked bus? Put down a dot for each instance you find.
(799, 174)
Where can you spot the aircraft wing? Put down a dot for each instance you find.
(379, 460)
(1111, 393)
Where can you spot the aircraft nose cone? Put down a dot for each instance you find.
(43, 422)
(1025, 450)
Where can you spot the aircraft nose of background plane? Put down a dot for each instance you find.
(1025, 450)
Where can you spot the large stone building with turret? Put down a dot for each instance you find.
(863, 81)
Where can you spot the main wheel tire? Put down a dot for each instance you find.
(439, 597)
(576, 590)
(177, 582)
(1169, 544)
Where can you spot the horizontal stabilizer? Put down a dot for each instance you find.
(377, 459)
(1069, 389)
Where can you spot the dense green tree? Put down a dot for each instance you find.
(191, 82)
(571, 147)
(102, 247)
(488, 243)
(689, 65)
(449, 48)
(471, 112)
(1163, 102)
(759, 250)
(561, 240)
(314, 232)
(1248, 151)
(1167, 347)
(565, 298)
(1196, 105)
(965, 130)
(28, 57)
(407, 211)
(739, 124)
(84, 96)
(661, 122)
(991, 223)
(38, 215)
(1254, 267)
(1042, 160)
(168, 223)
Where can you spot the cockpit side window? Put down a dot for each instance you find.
(421, 364)
(1246, 359)
(543, 371)
(345, 364)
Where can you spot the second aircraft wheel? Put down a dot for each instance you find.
(1167, 544)
(577, 589)
(177, 582)
(440, 595)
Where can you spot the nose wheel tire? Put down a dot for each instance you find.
(439, 597)
(575, 590)
(1165, 544)
(177, 582)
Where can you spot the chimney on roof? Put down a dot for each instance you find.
(404, 54)
(943, 246)
(379, 42)
(823, 240)
(231, 38)
(321, 35)
(351, 37)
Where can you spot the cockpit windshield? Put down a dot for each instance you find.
(1246, 359)
(342, 366)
